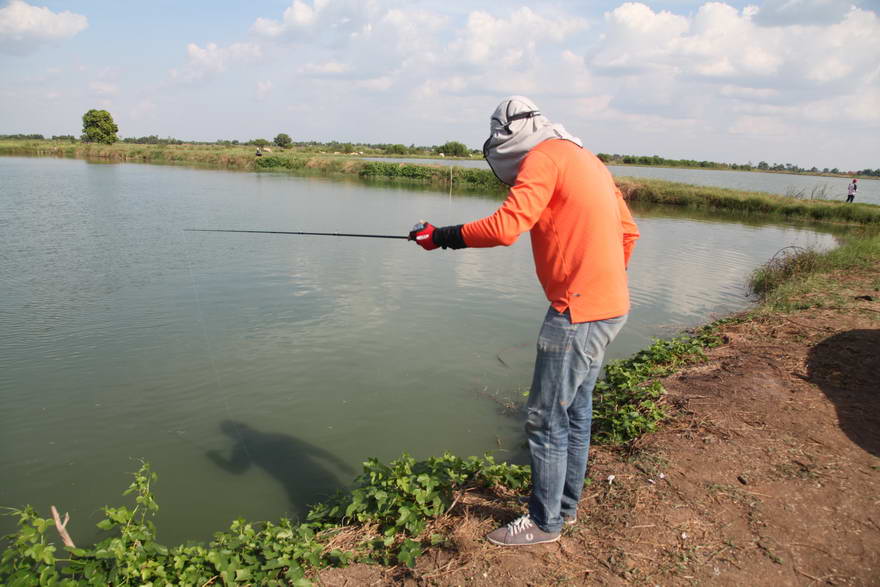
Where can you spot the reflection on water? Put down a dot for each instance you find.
(125, 337)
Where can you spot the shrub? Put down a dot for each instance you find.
(283, 140)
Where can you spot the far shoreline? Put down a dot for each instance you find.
(67, 148)
(642, 165)
(464, 180)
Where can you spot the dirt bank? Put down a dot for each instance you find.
(768, 473)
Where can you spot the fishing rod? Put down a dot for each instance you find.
(297, 232)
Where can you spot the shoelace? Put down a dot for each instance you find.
(519, 524)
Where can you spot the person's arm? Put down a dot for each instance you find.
(630, 230)
(525, 203)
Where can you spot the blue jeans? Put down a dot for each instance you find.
(560, 412)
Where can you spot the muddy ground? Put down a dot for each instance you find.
(767, 473)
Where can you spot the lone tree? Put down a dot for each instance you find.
(98, 127)
(453, 148)
(283, 140)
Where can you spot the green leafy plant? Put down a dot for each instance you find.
(399, 499)
(627, 399)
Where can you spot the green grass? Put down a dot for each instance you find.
(798, 278)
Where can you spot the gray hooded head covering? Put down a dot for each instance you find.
(515, 128)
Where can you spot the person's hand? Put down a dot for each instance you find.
(423, 234)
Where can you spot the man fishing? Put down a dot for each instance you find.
(582, 237)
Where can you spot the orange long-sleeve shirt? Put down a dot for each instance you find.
(582, 231)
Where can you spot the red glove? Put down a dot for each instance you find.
(423, 234)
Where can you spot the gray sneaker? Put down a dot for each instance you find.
(521, 532)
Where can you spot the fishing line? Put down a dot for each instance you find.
(210, 348)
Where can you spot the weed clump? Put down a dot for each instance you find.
(788, 263)
(784, 276)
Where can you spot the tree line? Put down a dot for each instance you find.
(448, 149)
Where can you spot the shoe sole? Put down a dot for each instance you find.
(524, 543)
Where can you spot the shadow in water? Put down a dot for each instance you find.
(846, 367)
(305, 471)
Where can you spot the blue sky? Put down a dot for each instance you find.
(787, 81)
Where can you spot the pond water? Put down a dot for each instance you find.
(827, 188)
(256, 372)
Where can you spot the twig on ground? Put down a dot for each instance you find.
(62, 527)
(458, 497)
(808, 576)
(813, 547)
(444, 570)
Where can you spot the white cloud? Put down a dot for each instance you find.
(143, 109)
(758, 126)
(299, 15)
(327, 68)
(203, 62)
(432, 88)
(104, 88)
(748, 93)
(572, 58)
(330, 18)
(24, 28)
(720, 68)
(412, 30)
(377, 84)
(723, 43)
(490, 40)
(637, 37)
(264, 89)
(593, 106)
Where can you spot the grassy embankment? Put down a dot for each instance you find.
(711, 198)
(464, 180)
(218, 156)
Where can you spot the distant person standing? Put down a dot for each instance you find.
(851, 191)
